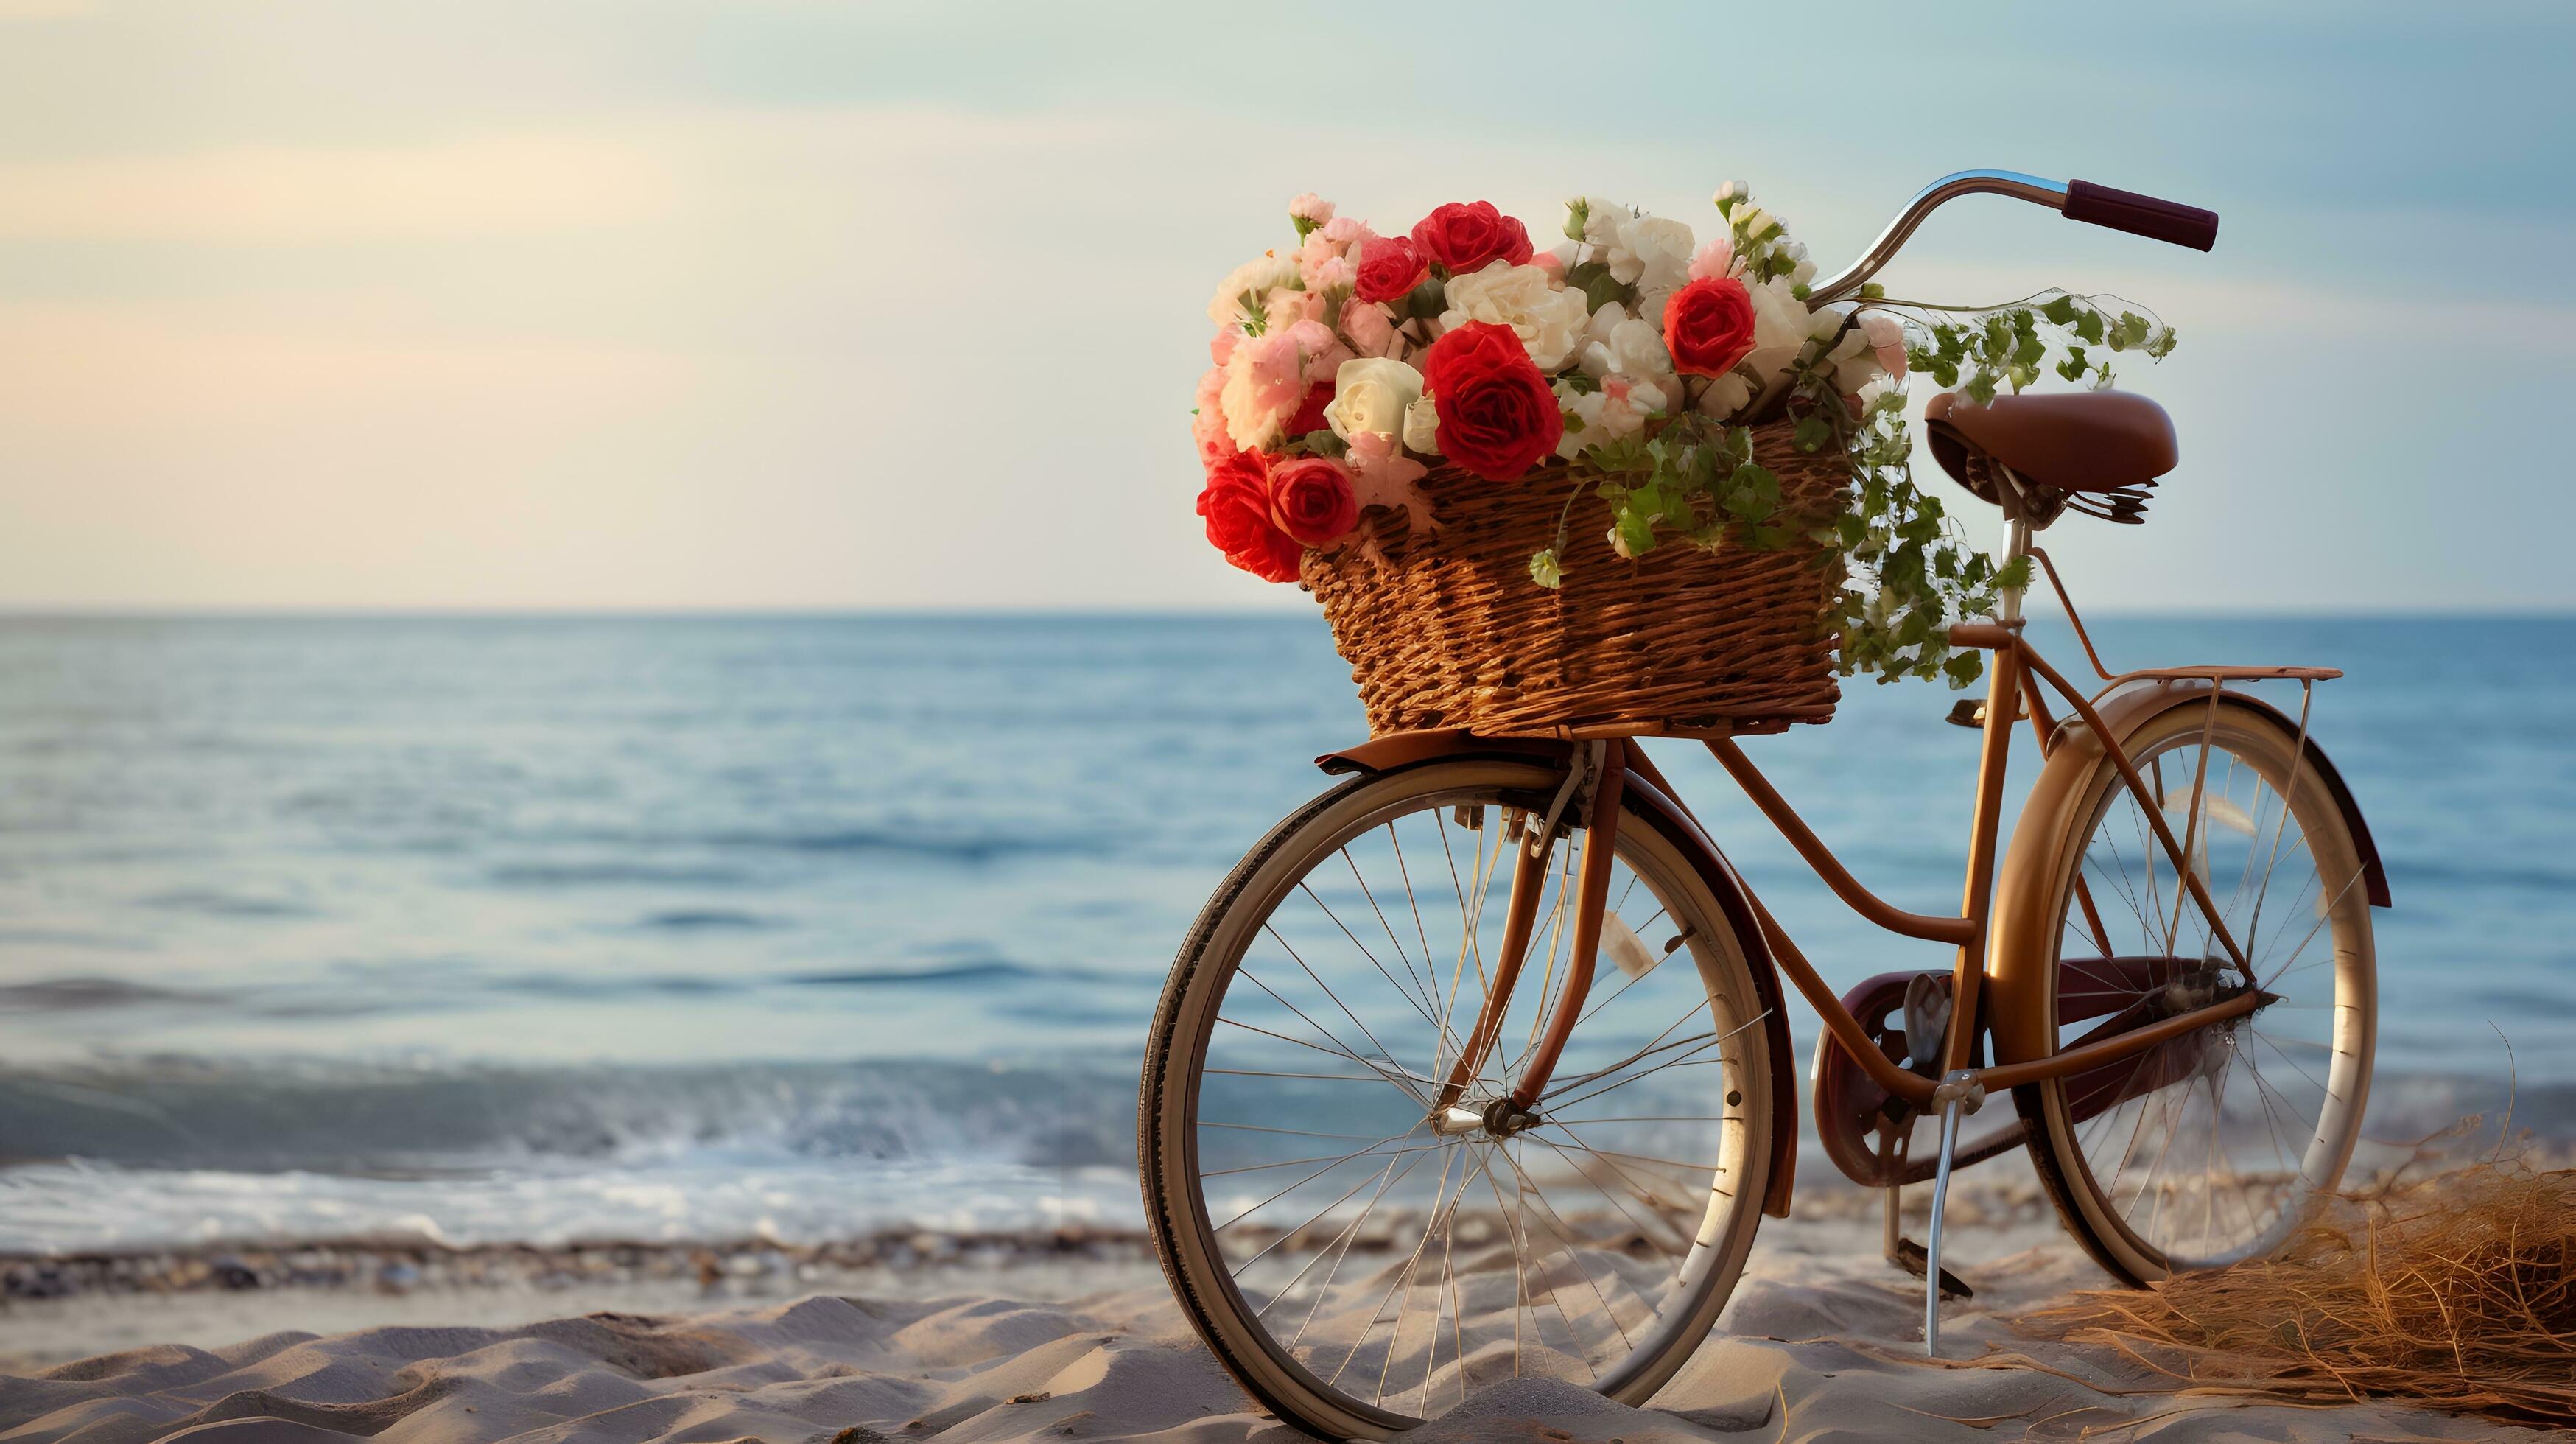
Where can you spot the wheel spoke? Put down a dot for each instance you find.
(2260, 1150)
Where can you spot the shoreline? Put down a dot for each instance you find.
(77, 1305)
(1050, 1334)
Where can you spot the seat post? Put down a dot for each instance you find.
(2016, 547)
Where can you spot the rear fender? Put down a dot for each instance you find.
(1646, 789)
(2024, 926)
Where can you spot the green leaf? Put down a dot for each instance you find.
(2014, 576)
(1814, 433)
(1755, 491)
(1635, 530)
(2060, 310)
(1599, 287)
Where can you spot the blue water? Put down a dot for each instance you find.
(536, 929)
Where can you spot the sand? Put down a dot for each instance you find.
(1821, 1342)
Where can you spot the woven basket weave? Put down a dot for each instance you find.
(1451, 631)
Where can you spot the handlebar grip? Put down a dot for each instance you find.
(2157, 220)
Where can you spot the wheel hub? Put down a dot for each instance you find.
(1499, 1117)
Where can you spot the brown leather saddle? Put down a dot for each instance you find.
(2095, 452)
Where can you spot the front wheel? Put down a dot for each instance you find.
(1359, 1264)
(2216, 1146)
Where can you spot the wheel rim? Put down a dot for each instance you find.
(1394, 1269)
(2216, 1147)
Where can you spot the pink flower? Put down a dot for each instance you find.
(1715, 260)
(1310, 207)
(1886, 337)
(1269, 376)
(1208, 426)
(1371, 330)
(1287, 308)
(1347, 231)
(1382, 475)
(1333, 275)
(1221, 350)
(1319, 349)
(1312, 257)
(1264, 384)
(1551, 263)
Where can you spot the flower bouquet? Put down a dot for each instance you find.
(1430, 431)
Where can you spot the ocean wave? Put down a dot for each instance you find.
(67, 995)
(974, 972)
(375, 1120)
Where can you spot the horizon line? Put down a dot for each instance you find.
(467, 613)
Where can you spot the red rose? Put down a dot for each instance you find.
(1236, 504)
(1498, 418)
(1310, 412)
(1708, 326)
(1311, 499)
(1389, 268)
(1467, 237)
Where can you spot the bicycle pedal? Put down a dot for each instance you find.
(1911, 1257)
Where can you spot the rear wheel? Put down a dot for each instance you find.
(2216, 1146)
(1359, 1269)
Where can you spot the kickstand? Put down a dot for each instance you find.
(1959, 1093)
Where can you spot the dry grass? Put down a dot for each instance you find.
(2456, 1291)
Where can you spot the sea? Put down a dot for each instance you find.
(510, 929)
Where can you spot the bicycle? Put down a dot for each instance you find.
(1598, 1150)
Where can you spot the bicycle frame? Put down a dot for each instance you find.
(2019, 684)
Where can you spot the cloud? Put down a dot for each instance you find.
(513, 185)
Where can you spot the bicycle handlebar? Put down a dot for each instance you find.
(2099, 205)
(2157, 220)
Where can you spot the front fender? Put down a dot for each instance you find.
(1654, 800)
(2023, 931)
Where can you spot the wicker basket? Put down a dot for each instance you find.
(1680, 642)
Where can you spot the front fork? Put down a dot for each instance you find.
(1608, 785)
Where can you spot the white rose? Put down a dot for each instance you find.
(1602, 220)
(1651, 253)
(1258, 278)
(1616, 342)
(1803, 270)
(1780, 326)
(1549, 321)
(1372, 394)
(1725, 396)
(1422, 428)
(1855, 362)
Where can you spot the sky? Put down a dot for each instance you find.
(776, 304)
